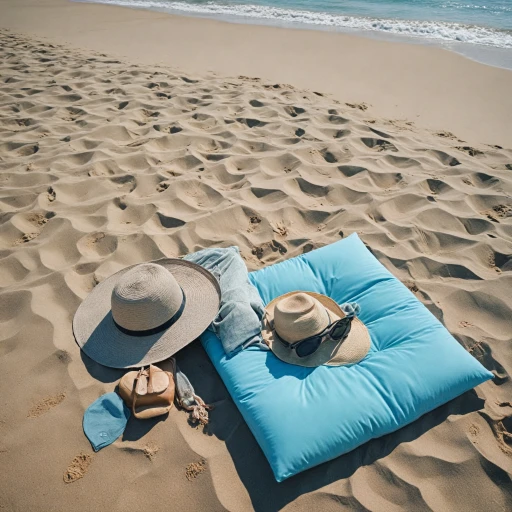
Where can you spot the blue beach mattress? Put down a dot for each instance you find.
(301, 416)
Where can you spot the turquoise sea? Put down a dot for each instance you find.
(480, 29)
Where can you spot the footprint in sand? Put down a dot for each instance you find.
(272, 246)
(45, 405)
(474, 430)
(38, 219)
(469, 150)
(162, 186)
(51, 194)
(78, 468)
(359, 106)
(445, 135)
(501, 433)
(254, 221)
(25, 238)
(150, 450)
(498, 212)
(194, 469)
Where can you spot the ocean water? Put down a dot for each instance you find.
(479, 29)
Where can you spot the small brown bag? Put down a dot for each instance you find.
(149, 392)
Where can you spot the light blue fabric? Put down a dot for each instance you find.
(301, 416)
(238, 323)
(105, 420)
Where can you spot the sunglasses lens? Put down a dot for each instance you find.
(338, 331)
(341, 329)
(308, 347)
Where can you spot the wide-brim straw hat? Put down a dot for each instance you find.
(304, 314)
(145, 313)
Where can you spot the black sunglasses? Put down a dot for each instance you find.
(337, 331)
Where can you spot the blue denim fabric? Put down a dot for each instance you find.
(238, 324)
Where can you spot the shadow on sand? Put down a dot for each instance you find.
(227, 424)
(266, 494)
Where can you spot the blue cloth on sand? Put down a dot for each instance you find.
(238, 323)
(105, 420)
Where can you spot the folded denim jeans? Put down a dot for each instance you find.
(238, 323)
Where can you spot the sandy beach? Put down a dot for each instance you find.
(434, 88)
(124, 138)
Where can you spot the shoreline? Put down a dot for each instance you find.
(484, 54)
(431, 87)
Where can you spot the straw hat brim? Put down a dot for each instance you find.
(98, 336)
(331, 353)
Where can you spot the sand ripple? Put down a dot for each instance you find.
(105, 164)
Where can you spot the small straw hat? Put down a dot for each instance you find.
(298, 315)
(146, 313)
